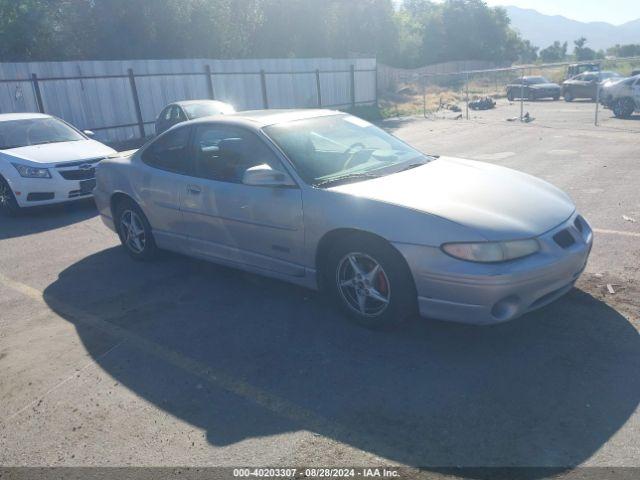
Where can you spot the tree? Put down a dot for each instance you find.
(527, 52)
(556, 52)
(581, 52)
(413, 34)
(629, 50)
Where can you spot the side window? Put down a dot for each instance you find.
(225, 153)
(170, 152)
(166, 114)
(180, 116)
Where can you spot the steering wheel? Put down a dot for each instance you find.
(352, 155)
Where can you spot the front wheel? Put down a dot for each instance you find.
(8, 203)
(371, 282)
(135, 232)
(568, 97)
(624, 108)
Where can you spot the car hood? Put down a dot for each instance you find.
(61, 152)
(544, 85)
(496, 202)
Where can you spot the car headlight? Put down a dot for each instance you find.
(492, 252)
(32, 172)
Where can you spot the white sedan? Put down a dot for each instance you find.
(45, 160)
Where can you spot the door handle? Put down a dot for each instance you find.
(194, 189)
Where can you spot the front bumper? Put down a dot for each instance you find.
(30, 192)
(484, 294)
(69, 181)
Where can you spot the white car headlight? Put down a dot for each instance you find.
(32, 172)
(492, 252)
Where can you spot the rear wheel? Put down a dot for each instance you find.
(510, 96)
(134, 231)
(371, 282)
(8, 203)
(568, 96)
(624, 107)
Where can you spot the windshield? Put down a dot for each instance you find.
(35, 131)
(206, 109)
(330, 148)
(536, 80)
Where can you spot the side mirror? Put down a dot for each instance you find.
(89, 133)
(265, 176)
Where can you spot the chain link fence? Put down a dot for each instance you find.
(545, 96)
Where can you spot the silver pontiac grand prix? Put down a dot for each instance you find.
(326, 200)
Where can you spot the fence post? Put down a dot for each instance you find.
(467, 96)
(376, 83)
(424, 96)
(136, 103)
(207, 70)
(263, 83)
(598, 97)
(318, 88)
(352, 71)
(36, 89)
(522, 96)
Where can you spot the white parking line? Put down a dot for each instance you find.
(616, 232)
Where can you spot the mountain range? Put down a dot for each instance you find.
(542, 30)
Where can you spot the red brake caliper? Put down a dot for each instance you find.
(381, 282)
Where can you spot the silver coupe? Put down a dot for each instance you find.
(326, 200)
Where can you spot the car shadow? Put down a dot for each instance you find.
(41, 219)
(547, 390)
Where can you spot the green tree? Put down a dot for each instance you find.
(629, 50)
(556, 52)
(581, 52)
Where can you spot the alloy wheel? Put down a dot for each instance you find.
(5, 196)
(133, 232)
(363, 284)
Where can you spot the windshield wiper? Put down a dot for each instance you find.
(345, 178)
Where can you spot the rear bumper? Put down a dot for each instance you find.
(481, 294)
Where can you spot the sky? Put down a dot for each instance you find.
(611, 11)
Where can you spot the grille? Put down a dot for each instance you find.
(564, 239)
(78, 174)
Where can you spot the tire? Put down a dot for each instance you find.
(556, 98)
(134, 231)
(531, 96)
(390, 297)
(8, 203)
(568, 97)
(624, 107)
(510, 96)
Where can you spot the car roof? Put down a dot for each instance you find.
(196, 102)
(263, 118)
(7, 117)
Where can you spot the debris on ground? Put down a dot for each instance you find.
(526, 118)
(482, 103)
(448, 106)
(611, 289)
(628, 219)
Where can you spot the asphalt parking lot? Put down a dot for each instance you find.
(105, 362)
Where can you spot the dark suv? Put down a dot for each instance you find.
(533, 88)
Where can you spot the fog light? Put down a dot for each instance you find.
(506, 308)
